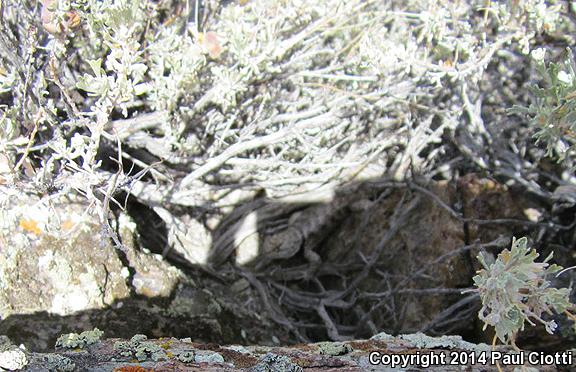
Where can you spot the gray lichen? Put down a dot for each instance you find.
(186, 357)
(149, 350)
(137, 339)
(59, 363)
(11, 357)
(423, 341)
(238, 348)
(124, 348)
(75, 340)
(383, 336)
(276, 363)
(209, 358)
(334, 348)
(12, 360)
(140, 349)
(5, 343)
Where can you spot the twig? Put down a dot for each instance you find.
(330, 326)
(28, 146)
(106, 204)
(240, 147)
(275, 313)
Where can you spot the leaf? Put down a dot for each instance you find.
(96, 66)
(141, 88)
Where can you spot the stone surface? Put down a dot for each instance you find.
(60, 274)
(487, 199)
(152, 276)
(170, 354)
(412, 258)
(54, 258)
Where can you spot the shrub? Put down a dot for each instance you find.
(514, 289)
(553, 110)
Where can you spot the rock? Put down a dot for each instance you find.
(186, 357)
(58, 363)
(12, 360)
(79, 341)
(58, 260)
(423, 341)
(208, 358)
(140, 349)
(333, 348)
(120, 354)
(487, 199)
(153, 276)
(412, 256)
(276, 363)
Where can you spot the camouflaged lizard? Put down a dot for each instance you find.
(285, 226)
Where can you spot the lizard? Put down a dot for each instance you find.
(286, 226)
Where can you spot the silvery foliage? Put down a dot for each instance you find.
(553, 109)
(514, 290)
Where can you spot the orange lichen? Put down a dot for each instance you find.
(30, 226)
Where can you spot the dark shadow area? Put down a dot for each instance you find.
(379, 255)
(347, 263)
(135, 315)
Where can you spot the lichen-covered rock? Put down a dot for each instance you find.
(185, 356)
(11, 357)
(153, 276)
(12, 360)
(238, 348)
(58, 363)
(334, 348)
(57, 261)
(75, 340)
(276, 363)
(423, 341)
(208, 358)
(138, 348)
